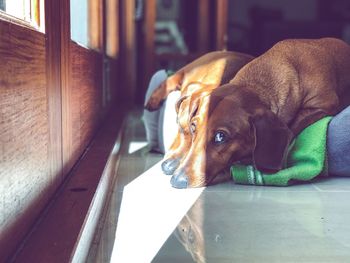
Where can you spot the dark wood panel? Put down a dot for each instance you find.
(24, 132)
(203, 26)
(86, 88)
(128, 49)
(148, 56)
(54, 94)
(114, 79)
(65, 37)
(221, 24)
(4, 52)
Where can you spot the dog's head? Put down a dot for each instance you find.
(230, 125)
(182, 142)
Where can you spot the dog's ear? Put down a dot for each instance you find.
(193, 107)
(201, 92)
(179, 102)
(272, 138)
(174, 82)
(186, 94)
(193, 87)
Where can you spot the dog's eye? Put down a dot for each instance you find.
(193, 127)
(219, 137)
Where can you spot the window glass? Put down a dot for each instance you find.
(26, 10)
(79, 21)
(17, 8)
(86, 23)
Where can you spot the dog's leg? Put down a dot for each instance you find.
(307, 117)
(172, 83)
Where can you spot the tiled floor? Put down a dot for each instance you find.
(222, 223)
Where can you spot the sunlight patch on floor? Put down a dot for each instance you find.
(150, 211)
(135, 146)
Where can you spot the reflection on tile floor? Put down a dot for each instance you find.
(227, 222)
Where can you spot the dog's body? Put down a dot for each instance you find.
(267, 103)
(194, 80)
(214, 68)
(300, 79)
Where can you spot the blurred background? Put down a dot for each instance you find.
(185, 29)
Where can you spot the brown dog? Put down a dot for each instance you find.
(196, 79)
(268, 102)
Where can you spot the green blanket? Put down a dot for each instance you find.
(306, 159)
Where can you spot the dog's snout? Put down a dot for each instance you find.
(169, 166)
(179, 180)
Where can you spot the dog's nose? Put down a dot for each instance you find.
(169, 166)
(179, 180)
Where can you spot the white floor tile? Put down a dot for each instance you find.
(224, 223)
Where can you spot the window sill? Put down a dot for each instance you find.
(66, 228)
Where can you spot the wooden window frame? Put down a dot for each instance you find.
(95, 24)
(64, 65)
(112, 28)
(37, 17)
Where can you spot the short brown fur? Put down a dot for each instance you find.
(267, 103)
